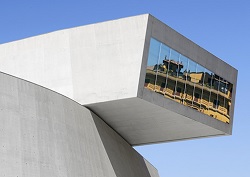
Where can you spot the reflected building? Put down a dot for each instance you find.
(74, 102)
(177, 77)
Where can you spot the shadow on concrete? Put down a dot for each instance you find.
(125, 161)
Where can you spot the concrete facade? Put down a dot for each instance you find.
(82, 104)
(90, 57)
(46, 134)
(173, 39)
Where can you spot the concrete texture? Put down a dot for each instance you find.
(89, 64)
(103, 67)
(160, 31)
(46, 134)
(141, 122)
(46, 131)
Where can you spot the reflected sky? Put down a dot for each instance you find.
(179, 78)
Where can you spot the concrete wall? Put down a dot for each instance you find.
(103, 67)
(44, 134)
(163, 33)
(92, 63)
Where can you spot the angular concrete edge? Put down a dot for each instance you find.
(162, 32)
(63, 60)
(47, 134)
(103, 67)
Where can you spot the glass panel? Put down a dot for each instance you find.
(191, 80)
(158, 68)
(183, 68)
(206, 95)
(179, 78)
(229, 97)
(179, 92)
(169, 87)
(164, 54)
(182, 79)
(223, 107)
(153, 56)
(208, 79)
(214, 96)
(172, 70)
(192, 72)
(173, 63)
(223, 86)
(200, 73)
(176, 67)
(215, 83)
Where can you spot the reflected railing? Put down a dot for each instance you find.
(177, 77)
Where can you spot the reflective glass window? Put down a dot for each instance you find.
(179, 78)
(206, 95)
(152, 65)
(200, 74)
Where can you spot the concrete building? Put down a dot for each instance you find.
(74, 102)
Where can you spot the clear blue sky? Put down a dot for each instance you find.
(220, 26)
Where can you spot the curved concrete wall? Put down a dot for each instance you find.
(45, 134)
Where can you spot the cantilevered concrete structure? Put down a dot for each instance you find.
(75, 101)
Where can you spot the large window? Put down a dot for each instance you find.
(177, 77)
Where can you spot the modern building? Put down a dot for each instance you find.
(74, 102)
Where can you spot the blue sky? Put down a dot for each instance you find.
(220, 26)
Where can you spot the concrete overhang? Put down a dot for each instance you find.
(142, 122)
(150, 118)
(103, 66)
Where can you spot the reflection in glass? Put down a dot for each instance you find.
(200, 73)
(179, 78)
(152, 64)
(206, 96)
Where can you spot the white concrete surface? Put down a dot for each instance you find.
(90, 64)
(103, 67)
(141, 122)
(44, 134)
